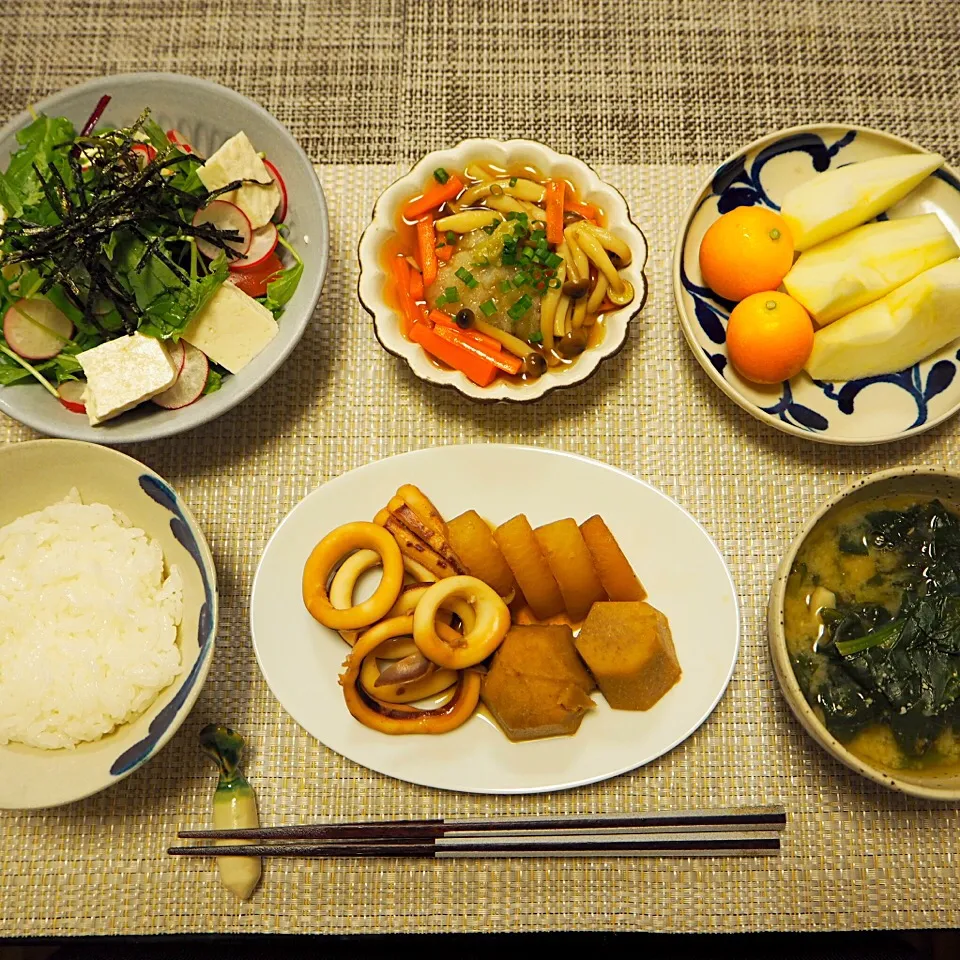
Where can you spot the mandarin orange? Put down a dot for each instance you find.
(769, 337)
(747, 250)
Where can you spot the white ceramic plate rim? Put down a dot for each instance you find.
(373, 278)
(213, 405)
(686, 324)
(776, 638)
(291, 518)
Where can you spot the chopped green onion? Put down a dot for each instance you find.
(511, 214)
(451, 237)
(522, 217)
(520, 307)
(536, 337)
(441, 175)
(490, 229)
(505, 286)
(885, 636)
(508, 259)
(441, 245)
(452, 294)
(553, 261)
(513, 181)
(527, 253)
(520, 278)
(553, 283)
(538, 235)
(488, 308)
(463, 274)
(472, 283)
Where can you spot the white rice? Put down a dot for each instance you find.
(88, 624)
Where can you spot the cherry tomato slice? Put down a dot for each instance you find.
(253, 282)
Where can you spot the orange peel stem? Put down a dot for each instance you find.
(325, 557)
(484, 635)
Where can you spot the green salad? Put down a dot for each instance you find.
(134, 269)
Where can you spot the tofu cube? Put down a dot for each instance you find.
(629, 650)
(232, 328)
(123, 373)
(237, 160)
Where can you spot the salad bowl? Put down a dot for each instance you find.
(32, 477)
(207, 115)
(375, 281)
(871, 410)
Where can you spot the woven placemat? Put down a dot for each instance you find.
(855, 855)
(663, 89)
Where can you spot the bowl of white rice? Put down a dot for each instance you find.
(108, 614)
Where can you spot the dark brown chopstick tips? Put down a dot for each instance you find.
(752, 831)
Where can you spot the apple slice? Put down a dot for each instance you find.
(262, 244)
(35, 329)
(70, 394)
(894, 333)
(223, 215)
(856, 268)
(189, 385)
(839, 200)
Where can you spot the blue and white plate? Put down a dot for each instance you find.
(872, 410)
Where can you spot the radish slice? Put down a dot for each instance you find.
(281, 212)
(178, 354)
(224, 216)
(263, 243)
(145, 153)
(190, 383)
(176, 137)
(35, 329)
(71, 393)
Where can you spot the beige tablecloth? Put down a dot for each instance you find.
(655, 93)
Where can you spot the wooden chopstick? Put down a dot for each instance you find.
(751, 831)
(572, 844)
(742, 818)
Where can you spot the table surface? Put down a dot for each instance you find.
(655, 94)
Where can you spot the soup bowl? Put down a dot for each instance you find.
(375, 282)
(918, 481)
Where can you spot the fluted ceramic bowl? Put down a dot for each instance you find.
(375, 281)
(207, 114)
(38, 473)
(922, 481)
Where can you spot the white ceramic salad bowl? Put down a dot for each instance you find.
(33, 476)
(374, 279)
(207, 114)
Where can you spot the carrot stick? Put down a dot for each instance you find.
(506, 362)
(431, 198)
(586, 210)
(554, 198)
(428, 250)
(442, 319)
(401, 277)
(416, 285)
(477, 368)
(445, 252)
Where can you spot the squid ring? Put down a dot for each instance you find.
(400, 718)
(490, 626)
(325, 557)
(404, 691)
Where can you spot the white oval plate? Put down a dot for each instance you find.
(872, 410)
(675, 558)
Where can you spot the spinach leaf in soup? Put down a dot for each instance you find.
(896, 664)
